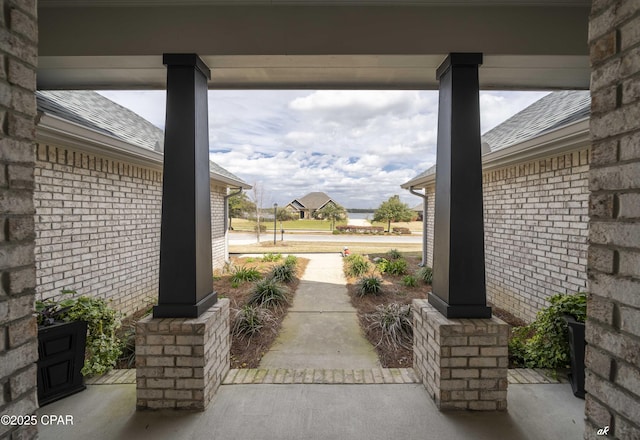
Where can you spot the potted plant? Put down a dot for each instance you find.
(76, 338)
(555, 339)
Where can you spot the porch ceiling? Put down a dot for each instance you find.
(100, 44)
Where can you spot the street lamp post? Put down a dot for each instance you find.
(275, 225)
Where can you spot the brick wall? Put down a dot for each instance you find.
(536, 228)
(18, 345)
(613, 329)
(218, 233)
(98, 227)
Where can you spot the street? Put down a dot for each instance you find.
(242, 238)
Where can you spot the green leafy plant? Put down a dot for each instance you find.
(268, 293)
(283, 273)
(382, 265)
(103, 347)
(356, 265)
(397, 267)
(243, 274)
(409, 281)
(291, 260)
(394, 254)
(249, 320)
(543, 343)
(369, 286)
(395, 324)
(425, 274)
(271, 257)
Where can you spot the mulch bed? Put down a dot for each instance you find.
(393, 291)
(247, 353)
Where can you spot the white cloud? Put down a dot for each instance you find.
(358, 146)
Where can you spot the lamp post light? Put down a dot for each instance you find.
(275, 225)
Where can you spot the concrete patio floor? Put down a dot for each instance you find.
(298, 412)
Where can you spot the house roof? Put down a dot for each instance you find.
(97, 114)
(314, 200)
(555, 111)
(94, 111)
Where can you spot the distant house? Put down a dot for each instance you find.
(536, 203)
(306, 206)
(98, 200)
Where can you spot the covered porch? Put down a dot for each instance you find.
(96, 44)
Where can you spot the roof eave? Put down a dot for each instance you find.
(59, 131)
(564, 139)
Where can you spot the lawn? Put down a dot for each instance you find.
(240, 224)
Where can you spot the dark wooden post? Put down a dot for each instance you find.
(458, 248)
(186, 281)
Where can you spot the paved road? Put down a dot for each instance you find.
(240, 238)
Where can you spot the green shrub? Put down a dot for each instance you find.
(103, 347)
(394, 254)
(268, 293)
(243, 274)
(291, 260)
(397, 267)
(425, 274)
(382, 265)
(395, 324)
(357, 265)
(284, 273)
(249, 320)
(271, 257)
(369, 286)
(543, 343)
(409, 281)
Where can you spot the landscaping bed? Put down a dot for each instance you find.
(389, 304)
(248, 348)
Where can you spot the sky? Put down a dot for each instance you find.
(356, 146)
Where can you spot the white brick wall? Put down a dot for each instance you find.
(218, 234)
(98, 227)
(536, 229)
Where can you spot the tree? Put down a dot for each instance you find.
(331, 212)
(240, 206)
(393, 210)
(257, 197)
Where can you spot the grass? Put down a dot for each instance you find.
(413, 226)
(296, 247)
(240, 224)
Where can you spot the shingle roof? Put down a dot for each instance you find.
(552, 112)
(314, 200)
(94, 111)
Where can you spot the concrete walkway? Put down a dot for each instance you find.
(321, 329)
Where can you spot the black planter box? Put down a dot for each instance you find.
(577, 346)
(61, 349)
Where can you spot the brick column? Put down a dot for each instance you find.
(18, 343)
(613, 329)
(181, 362)
(461, 362)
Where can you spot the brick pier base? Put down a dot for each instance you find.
(181, 362)
(462, 362)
